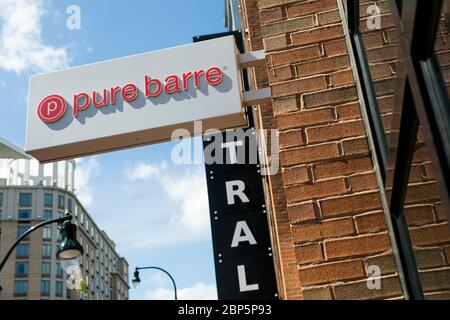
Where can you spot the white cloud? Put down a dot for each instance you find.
(199, 291)
(187, 192)
(185, 217)
(144, 171)
(21, 43)
(86, 169)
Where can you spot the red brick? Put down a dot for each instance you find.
(335, 131)
(271, 15)
(336, 47)
(301, 212)
(370, 222)
(329, 17)
(440, 213)
(331, 272)
(350, 204)
(386, 23)
(275, 43)
(348, 111)
(317, 35)
(304, 118)
(291, 139)
(298, 86)
(295, 175)
(422, 192)
(323, 65)
(357, 246)
(355, 147)
(330, 97)
(421, 154)
(310, 7)
(293, 56)
(342, 78)
(386, 104)
(280, 74)
(386, 53)
(309, 253)
(447, 254)
(321, 293)
(309, 154)
(380, 71)
(286, 26)
(342, 167)
(362, 182)
(326, 229)
(315, 190)
(373, 39)
(430, 235)
(264, 4)
(284, 105)
(419, 215)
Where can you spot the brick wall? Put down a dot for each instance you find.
(326, 214)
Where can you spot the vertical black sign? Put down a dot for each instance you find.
(240, 231)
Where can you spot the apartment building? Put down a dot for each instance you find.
(32, 193)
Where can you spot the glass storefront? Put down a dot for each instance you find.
(404, 79)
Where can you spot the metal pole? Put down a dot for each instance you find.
(161, 269)
(40, 225)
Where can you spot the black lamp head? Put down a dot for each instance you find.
(69, 248)
(136, 280)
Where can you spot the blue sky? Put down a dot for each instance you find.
(155, 211)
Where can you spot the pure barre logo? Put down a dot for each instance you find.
(52, 108)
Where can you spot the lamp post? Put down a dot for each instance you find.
(137, 281)
(69, 248)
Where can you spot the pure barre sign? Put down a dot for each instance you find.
(134, 100)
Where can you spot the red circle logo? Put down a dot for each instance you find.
(52, 108)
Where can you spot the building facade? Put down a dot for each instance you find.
(33, 193)
(359, 96)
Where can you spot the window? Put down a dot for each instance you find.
(48, 215)
(1, 214)
(1, 199)
(24, 214)
(48, 200)
(21, 230)
(46, 250)
(59, 270)
(414, 104)
(47, 233)
(70, 204)
(45, 288)
(20, 288)
(87, 225)
(59, 288)
(46, 269)
(23, 250)
(21, 269)
(25, 199)
(60, 214)
(61, 202)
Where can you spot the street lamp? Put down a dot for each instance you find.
(137, 280)
(69, 248)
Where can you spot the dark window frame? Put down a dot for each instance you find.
(424, 100)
